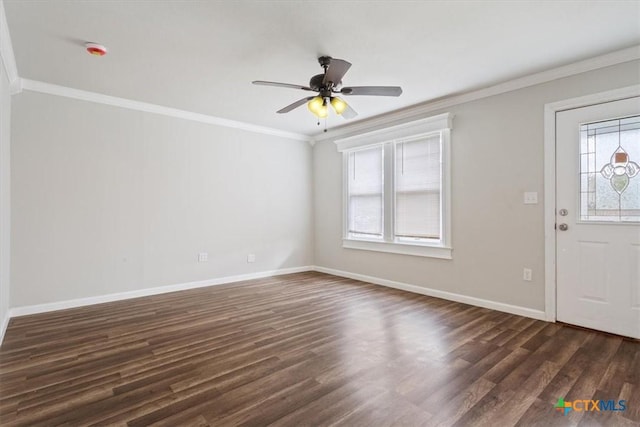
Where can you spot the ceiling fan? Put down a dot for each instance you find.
(328, 84)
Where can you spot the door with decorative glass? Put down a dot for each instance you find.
(598, 216)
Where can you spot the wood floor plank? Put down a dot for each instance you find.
(307, 349)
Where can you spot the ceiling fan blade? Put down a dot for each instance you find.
(336, 70)
(349, 113)
(295, 105)
(372, 90)
(289, 85)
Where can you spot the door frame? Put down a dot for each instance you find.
(550, 111)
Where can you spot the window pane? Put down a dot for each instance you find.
(417, 188)
(365, 193)
(609, 170)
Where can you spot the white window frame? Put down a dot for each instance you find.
(388, 137)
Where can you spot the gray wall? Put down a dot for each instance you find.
(497, 155)
(5, 188)
(107, 200)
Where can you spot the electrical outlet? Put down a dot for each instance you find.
(203, 257)
(527, 274)
(251, 258)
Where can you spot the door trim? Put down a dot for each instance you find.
(550, 111)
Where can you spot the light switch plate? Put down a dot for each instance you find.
(251, 258)
(531, 198)
(203, 257)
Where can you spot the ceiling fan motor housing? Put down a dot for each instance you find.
(316, 82)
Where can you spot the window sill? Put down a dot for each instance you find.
(399, 248)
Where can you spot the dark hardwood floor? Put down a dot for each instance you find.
(307, 349)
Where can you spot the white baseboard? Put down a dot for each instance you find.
(494, 305)
(80, 302)
(3, 327)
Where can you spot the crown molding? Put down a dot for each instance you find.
(370, 124)
(419, 110)
(83, 95)
(6, 52)
(18, 84)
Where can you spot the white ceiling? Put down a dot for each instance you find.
(201, 56)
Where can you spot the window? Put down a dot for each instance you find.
(396, 189)
(609, 170)
(417, 189)
(365, 193)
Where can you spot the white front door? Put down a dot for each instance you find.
(598, 216)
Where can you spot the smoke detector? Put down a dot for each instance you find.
(96, 49)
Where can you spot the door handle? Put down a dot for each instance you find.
(563, 227)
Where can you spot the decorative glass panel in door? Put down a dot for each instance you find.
(610, 170)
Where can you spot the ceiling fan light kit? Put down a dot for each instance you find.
(338, 105)
(327, 84)
(318, 106)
